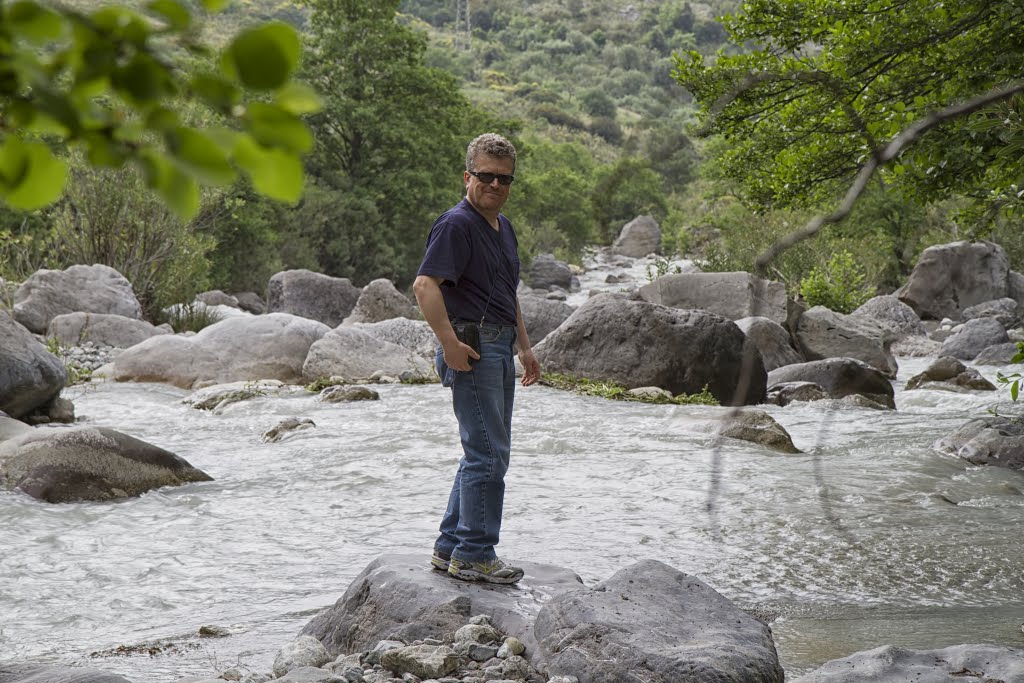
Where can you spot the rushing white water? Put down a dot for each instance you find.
(869, 537)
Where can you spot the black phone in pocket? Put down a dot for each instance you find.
(469, 334)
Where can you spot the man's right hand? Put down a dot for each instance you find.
(457, 355)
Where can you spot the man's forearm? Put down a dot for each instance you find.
(431, 303)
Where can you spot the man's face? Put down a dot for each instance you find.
(488, 198)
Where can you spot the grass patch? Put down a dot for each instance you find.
(191, 317)
(617, 392)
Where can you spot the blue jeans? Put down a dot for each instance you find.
(482, 399)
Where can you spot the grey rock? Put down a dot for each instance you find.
(414, 335)
(916, 347)
(651, 622)
(758, 427)
(309, 674)
(117, 331)
(546, 271)
(424, 661)
(477, 633)
(896, 317)
(1006, 311)
(511, 646)
(787, 392)
(378, 301)
(217, 397)
(286, 428)
(251, 302)
(89, 289)
(839, 377)
(272, 346)
(300, 652)
(10, 428)
(543, 316)
(341, 394)
(215, 297)
(638, 238)
(975, 336)
(30, 376)
(401, 596)
(949, 374)
(637, 344)
(822, 333)
(350, 353)
(481, 652)
(997, 354)
(956, 664)
(772, 340)
(992, 440)
(731, 295)
(951, 277)
(312, 295)
(89, 464)
(33, 673)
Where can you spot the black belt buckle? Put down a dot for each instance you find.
(469, 334)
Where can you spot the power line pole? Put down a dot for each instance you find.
(462, 25)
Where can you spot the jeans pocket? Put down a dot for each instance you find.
(446, 374)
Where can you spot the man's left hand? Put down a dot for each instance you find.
(531, 367)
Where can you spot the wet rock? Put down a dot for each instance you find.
(822, 334)
(30, 376)
(342, 394)
(758, 427)
(286, 428)
(997, 354)
(992, 440)
(975, 336)
(28, 673)
(304, 651)
(217, 397)
(888, 664)
(949, 374)
(787, 392)
(839, 377)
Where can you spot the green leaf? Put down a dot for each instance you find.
(174, 13)
(215, 5)
(272, 126)
(102, 151)
(201, 156)
(299, 99)
(143, 80)
(1014, 390)
(30, 175)
(34, 23)
(216, 91)
(274, 172)
(263, 58)
(178, 190)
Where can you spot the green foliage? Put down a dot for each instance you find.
(830, 83)
(190, 317)
(617, 392)
(111, 82)
(662, 266)
(76, 373)
(1013, 380)
(318, 385)
(839, 285)
(623, 191)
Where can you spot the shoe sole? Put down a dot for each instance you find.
(483, 578)
(439, 565)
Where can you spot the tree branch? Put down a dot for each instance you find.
(883, 156)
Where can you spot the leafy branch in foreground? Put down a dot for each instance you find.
(617, 392)
(1013, 380)
(112, 82)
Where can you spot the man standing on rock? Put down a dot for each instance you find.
(466, 289)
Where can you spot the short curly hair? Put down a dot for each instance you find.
(492, 144)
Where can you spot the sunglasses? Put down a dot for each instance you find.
(488, 178)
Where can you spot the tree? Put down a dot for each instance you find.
(910, 88)
(111, 83)
(390, 139)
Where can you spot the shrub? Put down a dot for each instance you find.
(839, 286)
(190, 317)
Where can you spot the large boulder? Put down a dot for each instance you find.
(997, 354)
(414, 335)
(638, 238)
(88, 464)
(357, 356)
(991, 440)
(732, 295)
(89, 289)
(73, 329)
(956, 664)
(974, 337)
(650, 622)
(272, 346)
(546, 272)
(35, 673)
(312, 295)
(894, 316)
(542, 316)
(401, 597)
(640, 344)
(772, 340)
(840, 377)
(380, 300)
(822, 333)
(30, 376)
(951, 277)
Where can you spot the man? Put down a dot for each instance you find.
(469, 274)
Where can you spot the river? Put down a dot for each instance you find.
(869, 537)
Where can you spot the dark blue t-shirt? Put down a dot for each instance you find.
(473, 258)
